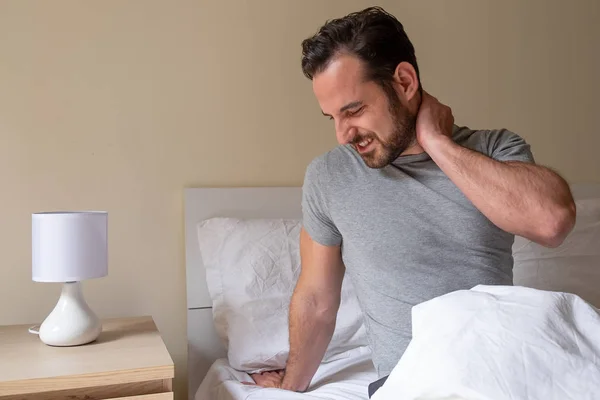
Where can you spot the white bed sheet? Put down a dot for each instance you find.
(346, 378)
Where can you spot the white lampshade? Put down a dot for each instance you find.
(69, 246)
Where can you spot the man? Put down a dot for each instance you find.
(410, 205)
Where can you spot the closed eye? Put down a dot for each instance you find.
(356, 112)
(348, 113)
(327, 115)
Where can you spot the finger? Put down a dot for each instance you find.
(249, 383)
(433, 99)
(427, 100)
(429, 96)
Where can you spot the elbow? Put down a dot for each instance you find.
(325, 308)
(322, 307)
(326, 311)
(559, 223)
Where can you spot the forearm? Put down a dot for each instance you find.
(524, 199)
(311, 328)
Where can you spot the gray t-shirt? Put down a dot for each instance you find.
(408, 234)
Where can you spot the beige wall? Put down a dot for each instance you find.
(119, 105)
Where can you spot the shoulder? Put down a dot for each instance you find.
(330, 165)
(474, 139)
(486, 141)
(502, 144)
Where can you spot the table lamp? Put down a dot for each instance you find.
(69, 247)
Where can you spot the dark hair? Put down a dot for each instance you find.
(374, 35)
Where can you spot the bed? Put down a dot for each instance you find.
(215, 370)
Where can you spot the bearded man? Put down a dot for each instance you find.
(409, 204)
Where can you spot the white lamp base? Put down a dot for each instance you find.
(72, 322)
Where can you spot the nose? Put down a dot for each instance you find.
(344, 133)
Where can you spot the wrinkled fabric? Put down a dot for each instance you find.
(252, 266)
(343, 379)
(500, 342)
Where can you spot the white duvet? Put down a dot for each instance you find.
(346, 378)
(500, 343)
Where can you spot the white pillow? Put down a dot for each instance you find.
(251, 269)
(573, 267)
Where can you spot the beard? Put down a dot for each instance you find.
(403, 136)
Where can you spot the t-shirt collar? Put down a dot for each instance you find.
(418, 157)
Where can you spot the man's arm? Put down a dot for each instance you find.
(525, 199)
(313, 311)
(521, 198)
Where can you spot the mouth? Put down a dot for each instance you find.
(364, 145)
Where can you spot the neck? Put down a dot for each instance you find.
(413, 149)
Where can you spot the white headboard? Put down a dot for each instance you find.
(204, 346)
(585, 190)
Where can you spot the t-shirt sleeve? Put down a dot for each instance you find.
(316, 217)
(504, 145)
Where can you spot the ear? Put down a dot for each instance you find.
(407, 82)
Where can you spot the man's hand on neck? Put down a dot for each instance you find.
(434, 123)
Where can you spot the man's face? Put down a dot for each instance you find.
(372, 120)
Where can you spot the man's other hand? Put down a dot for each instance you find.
(268, 379)
(434, 121)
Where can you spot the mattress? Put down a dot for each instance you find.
(345, 378)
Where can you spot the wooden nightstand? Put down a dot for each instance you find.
(129, 361)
